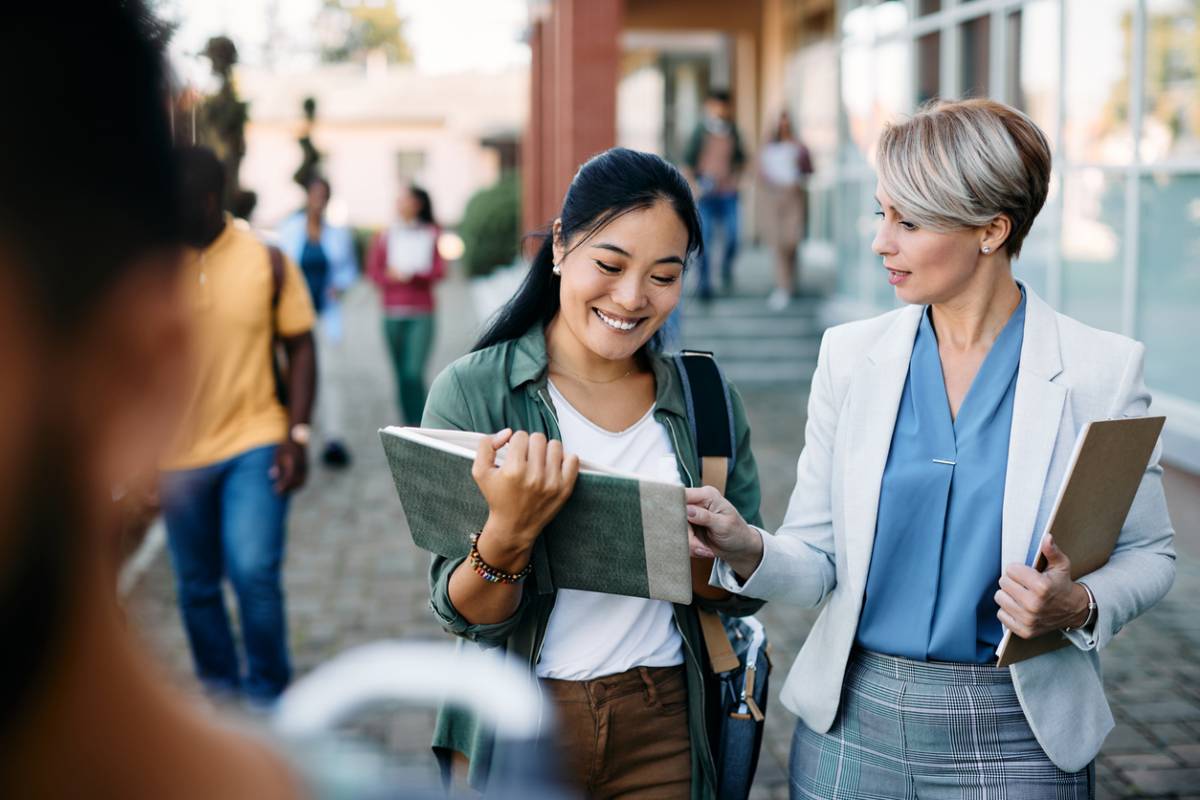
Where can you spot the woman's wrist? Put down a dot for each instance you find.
(504, 547)
(746, 559)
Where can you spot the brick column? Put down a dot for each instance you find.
(573, 109)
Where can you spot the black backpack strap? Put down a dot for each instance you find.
(710, 416)
(709, 409)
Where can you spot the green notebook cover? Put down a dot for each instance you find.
(618, 533)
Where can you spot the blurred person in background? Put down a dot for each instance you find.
(240, 453)
(93, 352)
(713, 161)
(405, 264)
(784, 165)
(325, 253)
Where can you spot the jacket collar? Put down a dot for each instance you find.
(528, 363)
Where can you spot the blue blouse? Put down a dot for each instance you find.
(935, 565)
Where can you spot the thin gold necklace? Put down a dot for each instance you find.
(571, 374)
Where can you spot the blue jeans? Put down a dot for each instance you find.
(226, 519)
(718, 211)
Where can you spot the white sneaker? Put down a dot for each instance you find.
(779, 300)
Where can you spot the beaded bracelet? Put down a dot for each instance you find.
(488, 572)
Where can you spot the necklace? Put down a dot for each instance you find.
(571, 374)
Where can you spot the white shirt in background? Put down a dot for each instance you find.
(780, 163)
(410, 249)
(591, 634)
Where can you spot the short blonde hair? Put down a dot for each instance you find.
(957, 165)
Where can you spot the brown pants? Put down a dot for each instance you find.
(626, 735)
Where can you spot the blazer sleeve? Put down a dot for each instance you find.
(799, 564)
(1142, 567)
(447, 408)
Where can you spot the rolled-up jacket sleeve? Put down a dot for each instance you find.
(446, 408)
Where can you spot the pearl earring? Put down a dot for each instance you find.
(986, 250)
(556, 269)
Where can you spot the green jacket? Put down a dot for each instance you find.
(504, 386)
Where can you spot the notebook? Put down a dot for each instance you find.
(618, 533)
(1103, 476)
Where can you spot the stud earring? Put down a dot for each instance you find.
(557, 270)
(986, 250)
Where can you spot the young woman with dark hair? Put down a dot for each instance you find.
(571, 368)
(405, 264)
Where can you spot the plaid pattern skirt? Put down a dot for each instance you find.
(911, 729)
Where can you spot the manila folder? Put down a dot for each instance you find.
(1104, 475)
(618, 533)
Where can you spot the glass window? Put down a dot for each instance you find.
(410, 164)
(1099, 53)
(1171, 119)
(1038, 250)
(1169, 282)
(929, 6)
(850, 243)
(976, 51)
(929, 63)
(1093, 246)
(1032, 63)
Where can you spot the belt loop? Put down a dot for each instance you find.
(649, 690)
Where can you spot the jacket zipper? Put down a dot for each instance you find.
(686, 643)
(679, 454)
(553, 419)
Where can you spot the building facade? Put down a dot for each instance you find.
(1115, 84)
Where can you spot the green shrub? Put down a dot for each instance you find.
(490, 227)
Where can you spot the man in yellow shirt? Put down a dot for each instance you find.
(229, 472)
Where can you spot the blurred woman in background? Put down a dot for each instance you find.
(325, 254)
(784, 165)
(405, 264)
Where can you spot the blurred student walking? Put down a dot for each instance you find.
(713, 163)
(325, 253)
(784, 166)
(405, 264)
(239, 453)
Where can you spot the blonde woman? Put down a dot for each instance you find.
(937, 437)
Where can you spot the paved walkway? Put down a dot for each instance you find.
(353, 576)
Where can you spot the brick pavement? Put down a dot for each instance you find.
(353, 576)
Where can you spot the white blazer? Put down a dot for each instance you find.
(1069, 374)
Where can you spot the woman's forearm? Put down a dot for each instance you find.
(482, 602)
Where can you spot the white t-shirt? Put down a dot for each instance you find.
(593, 634)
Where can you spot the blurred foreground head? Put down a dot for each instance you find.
(92, 342)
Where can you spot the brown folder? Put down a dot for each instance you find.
(1104, 474)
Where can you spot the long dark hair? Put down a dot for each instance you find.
(424, 204)
(607, 186)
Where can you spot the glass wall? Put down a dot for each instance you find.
(1115, 85)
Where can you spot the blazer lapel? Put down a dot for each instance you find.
(874, 403)
(1037, 417)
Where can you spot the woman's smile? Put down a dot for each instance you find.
(618, 323)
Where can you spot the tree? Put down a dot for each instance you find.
(350, 29)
